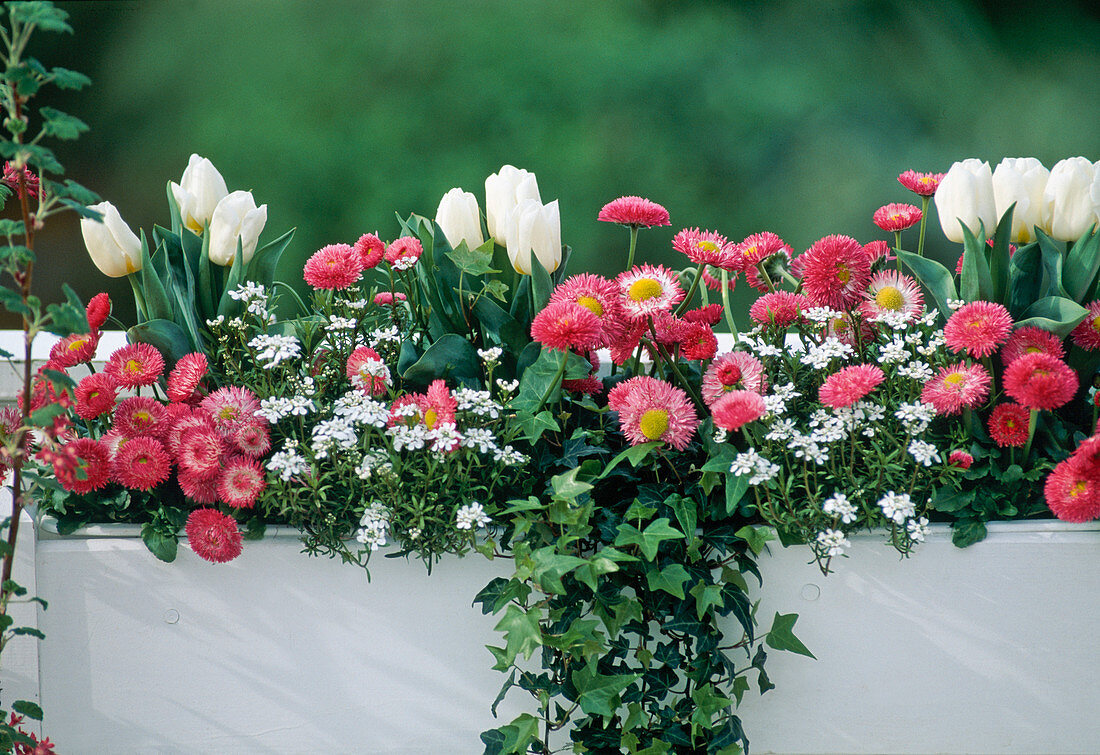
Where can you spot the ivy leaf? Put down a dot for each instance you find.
(707, 704)
(670, 579)
(649, 540)
(736, 487)
(534, 425)
(521, 632)
(550, 567)
(596, 692)
(472, 261)
(756, 536)
(567, 486)
(518, 735)
(499, 592)
(635, 454)
(706, 596)
(781, 636)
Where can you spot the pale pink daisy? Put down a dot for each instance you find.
(705, 248)
(737, 408)
(890, 292)
(850, 384)
(240, 482)
(653, 410)
(924, 184)
(1040, 381)
(647, 290)
(366, 370)
(1031, 340)
(778, 308)
(333, 267)
(213, 535)
(388, 298)
(230, 405)
(252, 437)
(835, 271)
(634, 211)
(736, 370)
(956, 387)
(896, 217)
(1087, 333)
(199, 452)
(978, 328)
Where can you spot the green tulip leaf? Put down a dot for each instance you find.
(936, 278)
(975, 282)
(999, 257)
(1057, 314)
(452, 357)
(1053, 262)
(1025, 278)
(541, 284)
(154, 295)
(261, 268)
(1081, 266)
(164, 335)
(228, 306)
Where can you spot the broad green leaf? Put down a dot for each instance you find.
(156, 303)
(975, 282)
(936, 278)
(161, 545)
(518, 735)
(261, 268)
(708, 703)
(634, 454)
(706, 596)
(28, 709)
(598, 694)
(451, 357)
(947, 500)
(756, 536)
(1081, 266)
(966, 532)
(472, 262)
(1054, 313)
(541, 285)
(63, 78)
(670, 579)
(500, 592)
(534, 425)
(687, 513)
(781, 636)
(567, 486)
(1025, 279)
(595, 567)
(550, 567)
(736, 487)
(165, 335)
(648, 540)
(616, 616)
(1053, 261)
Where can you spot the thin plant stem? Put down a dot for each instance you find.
(633, 244)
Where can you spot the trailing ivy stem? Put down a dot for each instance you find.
(633, 244)
(553, 383)
(726, 304)
(923, 219)
(691, 291)
(1032, 421)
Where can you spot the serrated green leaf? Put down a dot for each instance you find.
(550, 567)
(472, 262)
(61, 125)
(63, 78)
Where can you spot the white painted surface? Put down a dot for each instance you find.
(275, 652)
(988, 649)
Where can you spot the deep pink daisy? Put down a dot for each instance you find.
(370, 249)
(1031, 340)
(978, 328)
(199, 489)
(184, 423)
(960, 459)
(388, 298)
(199, 452)
(647, 290)
(213, 535)
(924, 184)
(896, 217)
(439, 405)
(141, 415)
(367, 371)
(779, 308)
(83, 465)
(141, 463)
(653, 410)
(241, 482)
(1008, 425)
(956, 387)
(1087, 455)
(565, 325)
(877, 250)
(705, 248)
(135, 365)
(849, 384)
(761, 249)
(74, 349)
(333, 267)
(625, 343)
(634, 211)
(1072, 494)
(252, 438)
(736, 370)
(403, 253)
(600, 296)
(669, 328)
(737, 408)
(835, 271)
(1087, 333)
(711, 314)
(1040, 381)
(230, 405)
(185, 377)
(890, 292)
(98, 310)
(95, 395)
(697, 341)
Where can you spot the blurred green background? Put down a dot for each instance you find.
(794, 117)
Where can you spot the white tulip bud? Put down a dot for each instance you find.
(236, 216)
(198, 192)
(503, 191)
(460, 219)
(965, 198)
(534, 228)
(113, 247)
(1021, 180)
(1070, 206)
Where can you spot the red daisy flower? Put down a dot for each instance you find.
(711, 314)
(203, 490)
(896, 217)
(135, 365)
(835, 271)
(185, 377)
(761, 249)
(1040, 381)
(74, 349)
(924, 184)
(849, 384)
(779, 308)
(705, 248)
(241, 482)
(1087, 333)
(955, 387)
(213, 535)
(199, 451)
(1031, 340)
(978, 328)
(95, 395)
(634, 211)
(625, 343)
(697, 341)
(1072, 494)
(735, 370)
(367, 372)
(370, 249)
(141, 463)
(960, 459)
(600, 296)
(737, 408)
(141, 415)
(333, 267)
(565, 325)
(98, 310)
(1008, 425)
(82, 466)
(651, 409)
(877, 250)
(253, 438)
(403, 253)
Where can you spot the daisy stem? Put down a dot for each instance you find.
(633, 243)
(691, 291)
(988, 363)
(1033, 420)
(764, 274)
(553, 383)
(897, 246)
(923, 219)
(726, 304)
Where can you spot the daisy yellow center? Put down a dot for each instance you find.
(895, 216)
(227, 412)
(77, 344)
(955, 379)
(888, 297)
(591, 304)
(1010, 423)
(1032, 350)
(843, 274)
(645, 289)
(840, 325)
(654, 423)
(926, 180)
(132, 366)
(1096, 324)
(707, 246)
(430, 418)
(1078, 488)
(143, 417)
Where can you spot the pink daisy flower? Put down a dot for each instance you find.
(141, 463)
(924, 184)
(388, 298)
(439, 405)
(135, 365)
(1031, 340)
(82, 466)
(367, 372)
(1008, 425)
(1087, 333)
(74, 350)
(98, 310)
(877, 250)
(565, 325)
(1040, 381)
(779, 308)
(333, 267)
(889, 292)
(634, 211)
(835, 271)
(230, 405)
(95, 395)
(669, 328)
(653, 410)
(184, 423)
(956, 387)
(625, 343)
(737, 408)
(141, 415)
(697, 341)
(185, 377)
(203, 490)
(1072, 494)
(711, 314)
(715, 284)
(598, 295)
(252, 438)
(647, 290)
(199, 452)
(896, 217)
(403, 253)
(213, 535)
(370, 249)
(960, 459)
(761, 248)
(849, 384)
(705, 248)
(241, 482)
(736, 370)
(30, 182)
(978, 328)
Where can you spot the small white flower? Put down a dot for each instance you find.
(822, 314)
(334, 434)
(480, 438)
(288, 463)
(838, 505)
(339, 324)
(918, 529)
(925, 453)
(470, 516)
(507, 386)
(832, 542)
(275, 349)
(372, 526)
(720, 435)
(384, 335)
(897, 506)
(918, 371)
(916, 416)
(374, 463)
(894, 351)
(954, 304)
(490, 356)
(781, 430)
(445, 437)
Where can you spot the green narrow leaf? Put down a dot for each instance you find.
(999, 257)
(261, 268)
(542, 285)
(975, 282)
(165, 335)
(1025, 278)
(157, 305)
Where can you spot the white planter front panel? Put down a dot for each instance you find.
(272, 652)
(988, 649)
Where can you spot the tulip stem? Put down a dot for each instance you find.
(633, 244)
